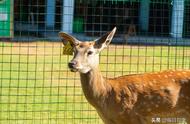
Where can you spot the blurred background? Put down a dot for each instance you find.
(36, 86)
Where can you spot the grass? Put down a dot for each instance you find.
(36, 86)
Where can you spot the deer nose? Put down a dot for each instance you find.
(72, 64)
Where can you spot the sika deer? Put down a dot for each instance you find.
(129, 99)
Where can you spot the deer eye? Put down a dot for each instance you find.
(89, 53)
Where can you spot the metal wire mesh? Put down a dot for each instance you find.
(36, 86)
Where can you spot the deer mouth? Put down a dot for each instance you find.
(73, 69)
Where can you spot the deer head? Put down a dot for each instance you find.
(86, 54)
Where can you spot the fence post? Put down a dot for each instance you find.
(144, 15)
(67, 18)
(177, 19)
(50, 14)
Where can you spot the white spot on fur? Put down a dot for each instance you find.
(136, 85)
(149, 109)
(184, 72)
(182, 95)
(150, 83)
(183, 81)
(179, 74)
(162, 88)
(156, 105)
(149, 97)
(173, 80)
(159, 98)
(187, 97)
(154, 81)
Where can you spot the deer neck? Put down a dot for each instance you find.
(94, 85)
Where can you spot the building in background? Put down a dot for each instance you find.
(169, 18)
(6, 18)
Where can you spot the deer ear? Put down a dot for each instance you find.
(105, 40)
(68, 38)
